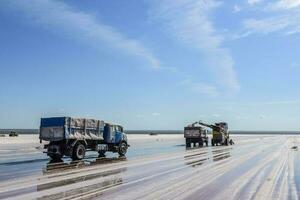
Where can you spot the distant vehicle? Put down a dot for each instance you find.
(13, 134)
(220, 134)
(74, 136)
(194, 134)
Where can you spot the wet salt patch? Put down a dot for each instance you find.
(297, 170)
(21, 139)
(192, 181)
(237, 148)
(245, 171)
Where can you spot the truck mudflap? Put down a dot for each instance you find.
(54, 150)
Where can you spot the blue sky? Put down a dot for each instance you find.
(151, 64)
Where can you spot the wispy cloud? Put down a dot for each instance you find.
(287, 24)
(155, 114)
(60, 16)
(282, 16)
(190, 22)
(216, 115)
(284, 102)
(268, 103)
(284, 4)
(262, 116)
(267, 25)
(253, 2)
(236, 8)
(200, 87)
(204, 88)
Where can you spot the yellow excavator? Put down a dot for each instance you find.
(220, 134)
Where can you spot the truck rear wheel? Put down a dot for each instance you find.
(122, 149)
(200, 144)
(78, 152)
(187, 144)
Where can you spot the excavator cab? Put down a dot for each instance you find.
(220, 134)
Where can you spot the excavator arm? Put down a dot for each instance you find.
(193, 124)
(208, 125)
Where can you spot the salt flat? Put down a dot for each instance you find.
(156, 167)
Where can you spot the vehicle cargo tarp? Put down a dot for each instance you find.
(71, 128)
(85, 128)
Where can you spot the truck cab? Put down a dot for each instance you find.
(115, 139)
(114, 133)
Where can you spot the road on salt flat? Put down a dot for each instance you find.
(257, 167)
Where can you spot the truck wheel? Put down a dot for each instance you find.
(187, 144)
(226, 142)
(200, 144)
(122, 148)
(78, 152)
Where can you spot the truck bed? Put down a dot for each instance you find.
(60, 128)
(193, 132)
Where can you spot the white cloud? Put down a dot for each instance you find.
(262, 116)
(236, 8)
(295, 65)
(284, 102)
(267, 25)
(216, 115)
(155, 114)
(287, 24)
(253, 2)
(269, 103)
(189, 21)
(285, 4)
(61, 17)
(204, 88)
(140, 116)
(200, 87)
(283, 16)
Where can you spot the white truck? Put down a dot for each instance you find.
(194, 134)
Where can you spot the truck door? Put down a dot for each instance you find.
(109, 134)
(118, 134)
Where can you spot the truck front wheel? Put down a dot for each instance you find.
(78, 152)
(122, 149)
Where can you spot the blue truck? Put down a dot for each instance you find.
(72, 137)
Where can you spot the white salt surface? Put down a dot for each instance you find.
(159, 167)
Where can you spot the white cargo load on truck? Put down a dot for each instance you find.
(59, 128)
